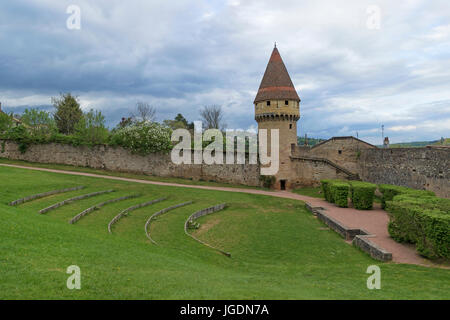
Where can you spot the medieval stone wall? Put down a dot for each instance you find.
(343, 151)
(420, 168)
(120, 159)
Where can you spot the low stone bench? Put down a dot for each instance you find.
(359, 237)
(67, 201)
(98, 206)
(147, 224)
(42, 195)
(126, 211)
(202, 213)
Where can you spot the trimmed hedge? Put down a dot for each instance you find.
(424, 221)
(362, 194)
(325, 184)
(326, 188)
(340, 190)
(390, 191)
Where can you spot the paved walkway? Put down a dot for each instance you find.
(374, 221)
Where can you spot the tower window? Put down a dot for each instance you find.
(340, 151)
(268, 103)
(286, 102)
(290, 125)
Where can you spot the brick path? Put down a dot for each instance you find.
(374, 221)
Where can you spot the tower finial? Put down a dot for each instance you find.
(275, 44)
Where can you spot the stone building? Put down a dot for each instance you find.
(277, 106)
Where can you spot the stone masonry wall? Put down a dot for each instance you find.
(420, 168)
(120, 159)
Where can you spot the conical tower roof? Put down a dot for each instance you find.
(276, 83)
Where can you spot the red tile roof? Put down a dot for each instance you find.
(276, 83)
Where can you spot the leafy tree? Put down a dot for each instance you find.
(68, 112)
(179, 122)
(6, 122)
(91, 128)
(39, 122)
(124, 122)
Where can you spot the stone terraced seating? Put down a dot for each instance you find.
(98, 206)
(67, 201)
(147, 224)
(126, 211)
(42, 195)
(202, 213)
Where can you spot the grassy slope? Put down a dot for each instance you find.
(126, 174)
(278, 250)
(315, 192)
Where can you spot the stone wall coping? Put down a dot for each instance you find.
(359, 237)
(147, 224)
(199, 214)
(42, 195)
(67, 201)
(126, 211)
(99, 205)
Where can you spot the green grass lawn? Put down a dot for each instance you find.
(315, 192)
(127, 174)
(279, 250)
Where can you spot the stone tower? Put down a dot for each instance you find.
(277, 106)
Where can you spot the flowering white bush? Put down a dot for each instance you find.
(143, 138)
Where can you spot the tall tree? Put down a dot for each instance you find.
(212, 117)
(144, 113)
(68, 112)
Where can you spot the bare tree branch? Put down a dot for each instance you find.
(212, 117)
(144, 112)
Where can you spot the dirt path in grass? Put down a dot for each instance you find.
(374, 221)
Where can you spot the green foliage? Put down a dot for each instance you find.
(40, 122)
(143, 138)
(339, 190)
(20, 135)
(179, 122)
(91, 128)
(267, 181)
(325, 189)
(273, 240)
(423, 220)
(6, 122)
(68, 113)
(362, 194)
(390, 191)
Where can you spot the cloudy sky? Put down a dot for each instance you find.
(355, 66)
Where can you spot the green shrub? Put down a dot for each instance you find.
(434, 240)
(143, 138)
(340, 193)
(91, 128)
(324, 184)
(6, 122)
(424, 221)
(267, 181)
(362, 194)
(390, 191)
